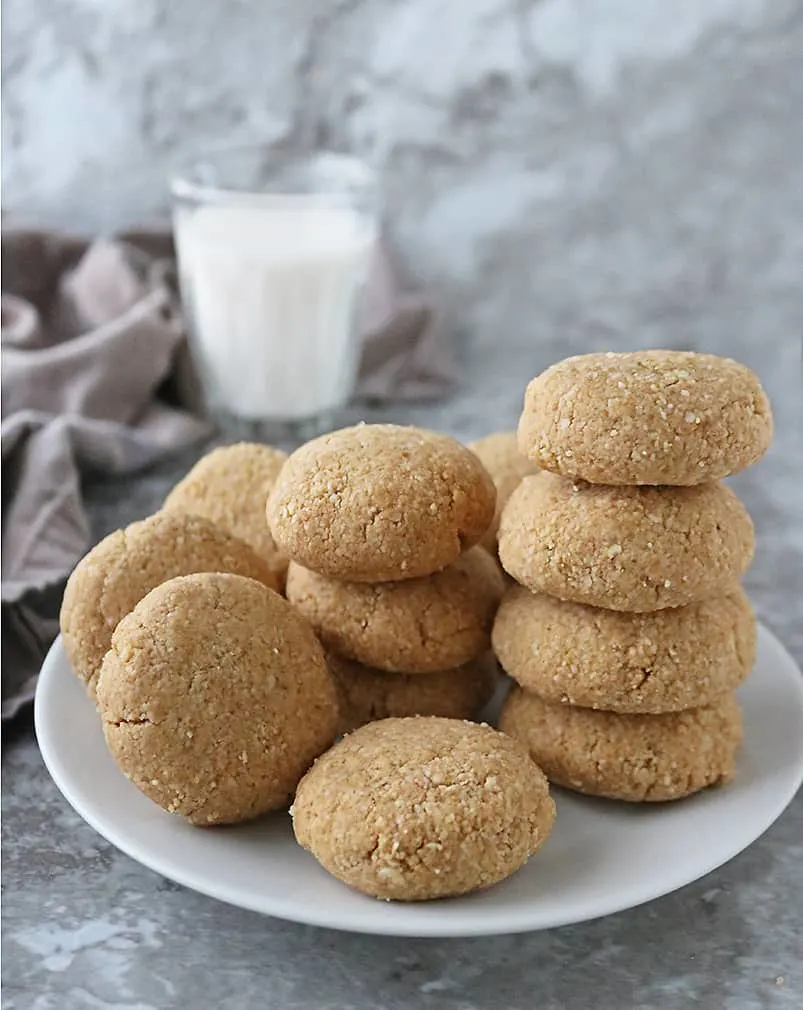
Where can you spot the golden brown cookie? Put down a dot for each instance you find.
(411, 809)
(216, 698)
(230, 486)
(624, 548)
(669, 660)
(413, 626)
(379, 502)
(646, 417)
(499, 454)
(114, 576)
(366, 694)
(641, 758)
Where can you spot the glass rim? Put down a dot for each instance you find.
(185, 184)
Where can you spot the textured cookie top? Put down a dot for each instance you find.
(500, 455)
(230, 486)
(625, 548)
(413, 626)
(216, 697)
(366, 694)
(379, 502)
(646, 417)
(629, 757)
(114, 576)
(669, 660)
(421, 808)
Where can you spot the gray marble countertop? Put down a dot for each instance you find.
(86, 927)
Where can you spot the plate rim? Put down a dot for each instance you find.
(283, 909)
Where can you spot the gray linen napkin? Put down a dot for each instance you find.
(91, 337)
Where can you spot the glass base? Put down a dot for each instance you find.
(272, 431)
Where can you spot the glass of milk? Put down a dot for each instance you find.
(274, 252)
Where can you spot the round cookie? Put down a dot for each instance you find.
(216, 698)
(640, 758)
(230, 486)
(379, 502)
(499, 454)
(366, 694)
(412, 809)
(665, 661)
(624, 548)
(646, 417)
(413, 626)
(114, 576)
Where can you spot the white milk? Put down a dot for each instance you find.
(272, 291)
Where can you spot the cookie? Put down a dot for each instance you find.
(216, 698)
(412, 809)
(647, 417)
(230, 486)
(624, 548)
(413, 626)
(114, 576)
(499, 454)
(665, 661)
(379, 502)
(640, 758)
(366, 694)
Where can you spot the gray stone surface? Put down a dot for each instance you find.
(565, 177)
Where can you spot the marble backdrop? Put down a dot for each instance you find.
(564, 174)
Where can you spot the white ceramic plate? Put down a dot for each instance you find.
(602, 856)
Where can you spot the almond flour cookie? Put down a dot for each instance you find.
(379, 502)
(230, 486)
(624, 548)
(366, 694)
(499, 454)
(647, 417)
(114, 576)
(640, 758)
(216, 698)
(665, 661)
(413, 626)
(412, 809)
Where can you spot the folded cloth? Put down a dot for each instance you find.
(95, 376)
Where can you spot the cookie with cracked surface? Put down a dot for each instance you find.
(366, 694)
(413, 809)
(500, 455)
(413, 626)
(664, 661)
(380, 502)
(624, 548)
(216, 698)
(646, 417)
(639, 758)
(114, 576)
(230, 486)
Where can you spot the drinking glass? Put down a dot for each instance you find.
(275, 247)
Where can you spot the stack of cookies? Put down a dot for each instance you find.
(628, 632)
(381, 524)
